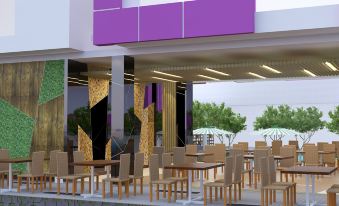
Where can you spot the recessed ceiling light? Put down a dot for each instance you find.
(207, 77)
(129, 79)
(271, 69)
(77, 83)
(80, 80)
(217, 72)
(108, 74)
(169, 80)
(167, 74)
(331, 66)
(309, 73)
(181, 87)
(256, 75)
(132, 75)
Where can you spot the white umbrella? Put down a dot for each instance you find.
(277, 133)
(210, 131)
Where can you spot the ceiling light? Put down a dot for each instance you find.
(331, 66)
(217, 72)
(256, 75)
(207, 77)
(181, 87)
(77, 83)
(129, 79)
(169, 80)
(108, 74)
(309, 73)
(271, 69)
(167, 74)
(80, 80)
(132, 75)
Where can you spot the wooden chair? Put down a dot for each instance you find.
(286, 151)
(244, 170)
(155, 180)
(336, 143)
(219, 155)
(226, 183)
(124, 168)
(178, 158)
(79, 156)
(268, 188)
(332, 195)
(294, 142)
(311, 156)
(191, 149)
(52, 171)
(238, 160)
(4, 167)
(258, 155)
(320, 145)
(167, 175)
(259, 144)
(159, 151)
(37, 172)
(276, 145)
(209, 159)
(244, 145)
(62, 173)
(138, 172)
(329, 159)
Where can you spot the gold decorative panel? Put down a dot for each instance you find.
(169, 116)
(85, 145)
(98, 89)
(108, 153)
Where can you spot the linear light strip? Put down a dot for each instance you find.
(77, 83)
(216, 72)
(309, 73)
(331, 66)
(256, 75)
(80, 80)
(271, 69)
(129, 79)
(167, 74)
(127, 74)
(169, 80)
(207, 77)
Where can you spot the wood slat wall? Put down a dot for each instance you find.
(20, 86)
(169, 116)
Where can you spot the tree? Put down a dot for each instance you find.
(219, 116)
(333, 125)
(82, 117)
(307, 121)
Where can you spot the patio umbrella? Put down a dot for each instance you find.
(211, 131)
(277, 133)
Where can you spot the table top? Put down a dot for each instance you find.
(276, 157)
(198, 154)
(195, 166)
(96, 163)
(319, 152)
(16, 160)
(312, 170)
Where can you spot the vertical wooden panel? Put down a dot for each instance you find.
(169, 116)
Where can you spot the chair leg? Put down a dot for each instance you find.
(175, 191)
(255, 180)
(239, 191)
(32, 184)
(111, 189)
(230, 194)
(225, 196)
(266, 197)
(141, 185)
(103, 190)
(157, 192)
(50, 183)
(97, 183)
(82, 185)
(181, 189)
(284, 198)
(262, 198)
(271, 196)
(169, 192)
(205, 196)
(41, 183)
(120, 190)
(134, 186)
(215, 193)
(27, 183)
(89, 184)
(150, 193)
(243, 180)
(235, 192)
(127, 188)
(67, 186)
(210, 194)
(164, 191)
(221, 193)
(74, 186)
(274, 196)
(19, 184)
(58, 186)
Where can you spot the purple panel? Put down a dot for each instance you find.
(162, 21)
(148, 96)
(115, 26)
(218, 17)
(107, 4)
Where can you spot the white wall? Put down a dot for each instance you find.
(250, 99)
(7, 17)
(39, 25)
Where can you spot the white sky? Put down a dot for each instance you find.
(7, 17)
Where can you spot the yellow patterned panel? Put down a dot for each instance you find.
(108, 153)
(169, 125)
(147, 132)
(139, 95)
(85, 145)
(98, 89)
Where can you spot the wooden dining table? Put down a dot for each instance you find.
(194, 167)
(321, 154)
(309, 171)
(92, 164)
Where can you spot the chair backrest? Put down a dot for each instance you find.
(38, 163)
(62, 164)
(78, 156)
(336, 143)
(245, 145)
(53, 161)
(272, 170)
(4, 154)
(220, 152)
(239, 147)
(178, 155)
(260, 144)
(294, 142)
(191, 148)
(320, 145)
(125, 163)
(159, 151)
(258, 154)
(295, 154)
(264, 174)
(238, 168)
(154, 167)
(329, 158)
(167, 161)
(139, 164)
(287, 151)
(311, 156)
(209, 158)
(228, 172)
(276, 145)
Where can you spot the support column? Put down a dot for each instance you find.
(189, 114)
(169, 116)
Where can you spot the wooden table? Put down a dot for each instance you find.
(192, 167)
(321, 153)
(92, 164)
(11, 161)
(309, 171)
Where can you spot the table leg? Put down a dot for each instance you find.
(307, 190)
(201, 183)
(92, 180)
(189, 186)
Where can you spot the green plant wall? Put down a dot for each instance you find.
(16, 130)
(53, 81)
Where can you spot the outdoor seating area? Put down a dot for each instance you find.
(215, 175)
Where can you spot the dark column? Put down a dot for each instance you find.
(188, 112)
(181, 117)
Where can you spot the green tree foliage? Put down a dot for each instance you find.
(333, 125)
(219, 116)
(81, 117)
(304, 120)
